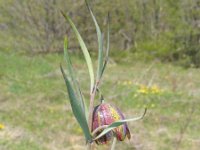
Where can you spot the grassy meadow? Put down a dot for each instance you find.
(35, 113)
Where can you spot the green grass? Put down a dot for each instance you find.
(37, 115)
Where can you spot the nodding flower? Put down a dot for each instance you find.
(106, 114)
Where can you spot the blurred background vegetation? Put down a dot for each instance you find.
(148, 29)
(155, 55)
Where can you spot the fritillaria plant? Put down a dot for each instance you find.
(104, 122)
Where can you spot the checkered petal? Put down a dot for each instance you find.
(106, 114)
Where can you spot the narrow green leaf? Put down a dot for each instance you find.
(76, 107)
(84, 50)
(73, 77)
(108, 46)
(116, 124)
(108, 35)
(100, 43)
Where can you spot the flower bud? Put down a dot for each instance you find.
(106, 114)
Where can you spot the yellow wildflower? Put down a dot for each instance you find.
(155, 89)
(149, 90)
(2, 126)
(143, 89)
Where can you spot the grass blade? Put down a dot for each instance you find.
(100, 43)
(84, 50)
(116, 124)
(76, 107)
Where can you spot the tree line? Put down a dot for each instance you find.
(164, 29)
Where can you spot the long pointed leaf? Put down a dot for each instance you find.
(108, 46)
(84, 50)
(100, 43)
(116, 124)
(73, 77)
(76, 107)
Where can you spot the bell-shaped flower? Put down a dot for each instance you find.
(106, 114)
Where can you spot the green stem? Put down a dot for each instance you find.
(113, 143)
(91, 107)
(90, 146)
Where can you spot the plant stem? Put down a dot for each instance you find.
(113, 143)
(91, 107)
(90, 146)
